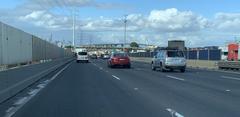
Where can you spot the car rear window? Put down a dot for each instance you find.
(82, 53)
(120, 55)
(175, 54)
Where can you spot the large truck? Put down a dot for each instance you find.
(233, 53)
(176, 44)
(233, 57)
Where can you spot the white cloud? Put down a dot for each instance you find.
(172, 20)
(161, 24)
(46, 20)
(137, 19)
(227, 22)
(169, 20)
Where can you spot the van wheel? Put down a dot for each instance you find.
(153, 68)
(161, 68)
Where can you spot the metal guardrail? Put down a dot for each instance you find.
(229, 65)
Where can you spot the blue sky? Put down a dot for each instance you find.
(204, 7)
(150, 21)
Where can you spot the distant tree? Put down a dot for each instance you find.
(69, 46)
(134, 45)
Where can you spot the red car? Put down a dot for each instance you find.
(119, 59)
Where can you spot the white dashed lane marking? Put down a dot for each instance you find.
(176, 78)
(230, 78)
(116, 77)
(174, 113)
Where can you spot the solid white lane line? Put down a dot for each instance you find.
(22, 101)
(176, 78)
(174, 113)
(115, 77)
(59, 72)
(231, 78)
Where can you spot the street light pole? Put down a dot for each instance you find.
(125, 30)
(73, 23)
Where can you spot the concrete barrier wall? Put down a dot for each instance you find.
(38, 49)
(190, 63)
(16, 46)
(19, 47)
(43, 50)
(68, 52)
(202, 64)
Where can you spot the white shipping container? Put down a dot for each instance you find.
(224, 52)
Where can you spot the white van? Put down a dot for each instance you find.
(82, 56)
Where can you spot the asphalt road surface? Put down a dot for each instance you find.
(94, 90)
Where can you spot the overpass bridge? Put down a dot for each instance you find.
(118, 46)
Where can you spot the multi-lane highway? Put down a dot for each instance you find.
(94, 90)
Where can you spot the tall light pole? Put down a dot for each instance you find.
(125, 30)
(73, 23)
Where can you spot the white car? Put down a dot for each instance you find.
(106, 56)
(82, 57)
(169, 60)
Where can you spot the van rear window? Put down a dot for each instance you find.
(175, 54)
(82, 53)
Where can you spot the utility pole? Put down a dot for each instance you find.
(90, 40)
(80, 35)
(51, 38)
(125, 30)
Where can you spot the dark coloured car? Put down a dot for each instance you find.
(119, 59)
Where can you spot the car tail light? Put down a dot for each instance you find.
(114, 59)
